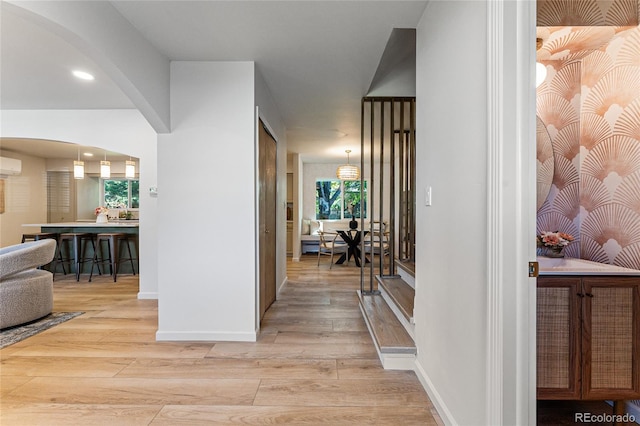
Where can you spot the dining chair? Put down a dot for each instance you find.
(377, 242)
(330, 246)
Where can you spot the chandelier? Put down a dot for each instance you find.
(348, 171)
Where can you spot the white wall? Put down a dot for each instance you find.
(450, 305)
(25, 199)
(124, 131)
(206, 201)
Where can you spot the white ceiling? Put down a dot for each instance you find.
(318, 58)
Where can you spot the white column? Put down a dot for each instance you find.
(206, 202)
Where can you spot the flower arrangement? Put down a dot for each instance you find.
(554, 240)
(101, 210)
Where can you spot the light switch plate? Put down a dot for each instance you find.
(427, 196)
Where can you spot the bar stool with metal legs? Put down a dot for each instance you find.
(36, 236)
(76, 251)
(113, 249)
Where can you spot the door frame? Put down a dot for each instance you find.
(511, 212)
(258, 271)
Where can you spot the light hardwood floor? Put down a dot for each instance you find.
(314, 363)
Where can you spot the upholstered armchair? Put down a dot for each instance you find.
(26, 293)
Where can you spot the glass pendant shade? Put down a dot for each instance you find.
(348, 171)
(105, 169)
(130, 169)
(78, 169)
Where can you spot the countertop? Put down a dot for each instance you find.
(573, 266)
(110, 224)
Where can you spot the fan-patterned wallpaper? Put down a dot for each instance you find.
(590, 103)
(588, 13)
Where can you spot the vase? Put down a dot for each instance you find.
(102, 218)
(353, 223)
(555, 252)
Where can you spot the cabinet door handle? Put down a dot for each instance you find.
(589, 294)
(580, 294)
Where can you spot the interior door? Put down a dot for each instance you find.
(267, 168)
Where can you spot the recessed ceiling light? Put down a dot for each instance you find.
(87, 154)
(82, 75)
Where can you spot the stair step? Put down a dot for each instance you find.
(407, 266)
(401, 293)
(388, 333)
(407, 271)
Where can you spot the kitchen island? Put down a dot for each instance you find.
(123, 226)
(588, 331)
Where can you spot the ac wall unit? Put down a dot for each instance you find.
(9, 167)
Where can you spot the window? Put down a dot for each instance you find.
(351, 199)
(121, 193)
(337, 199)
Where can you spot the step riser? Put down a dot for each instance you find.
(407, 277)
(406, 363)
(407, 274)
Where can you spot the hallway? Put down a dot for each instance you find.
(314, 363)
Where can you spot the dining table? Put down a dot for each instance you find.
(353, 238)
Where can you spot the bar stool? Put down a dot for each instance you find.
(113, 239)
(78, 249)
(37, 236)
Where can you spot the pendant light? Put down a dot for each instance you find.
(541, 69)
(78, 168)
(105, 167)
(541, 73)
(130, 169)
(348, 171)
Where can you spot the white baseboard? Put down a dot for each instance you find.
(205, 336)
(434, 396)
(148, 295)
(282, 284)
(295, 259)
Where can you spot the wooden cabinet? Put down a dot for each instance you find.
(588, 337)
